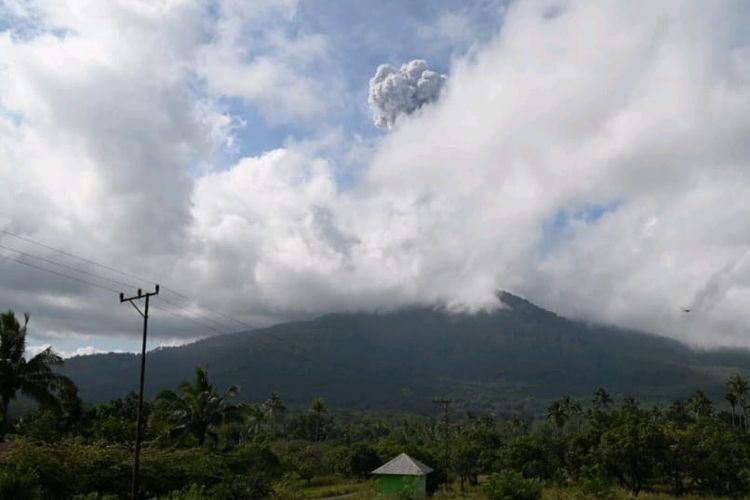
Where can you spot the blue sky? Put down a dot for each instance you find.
(363, 36)
(590, 156)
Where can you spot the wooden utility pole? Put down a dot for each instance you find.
(139, 420)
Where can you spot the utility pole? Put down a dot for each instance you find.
(139, 420)
(445, 403)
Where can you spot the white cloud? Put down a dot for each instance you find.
(595, 161)
(252, 56)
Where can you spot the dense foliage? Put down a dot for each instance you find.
(267, 450)
(201, 442)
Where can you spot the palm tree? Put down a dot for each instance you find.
(275, 410)
(700, 405)
(601, 399)
(573, 409)
(317, 409)
(556, 413)
(738, 387)
(198, 410)
(255, 416)
(34, 377)
(732, 399)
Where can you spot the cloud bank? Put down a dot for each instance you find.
(595, 160)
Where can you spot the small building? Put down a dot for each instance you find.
(401, 475)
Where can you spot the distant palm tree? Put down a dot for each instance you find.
(601, 399)
(700, 405)
(199, 409)
(573, 409)
(33, 378)
(732, 400)
(255, 417)
(275, 410)
(556, 413)
(317, 409)
(738, 387)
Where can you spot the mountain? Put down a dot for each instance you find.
(512, 360)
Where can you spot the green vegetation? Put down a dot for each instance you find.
(578, 451)
(32, 378)
(202, 442)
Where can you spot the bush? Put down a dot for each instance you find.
(195, 492)
(72, 468)
(15, 484)
(511, 485)
(595, 484)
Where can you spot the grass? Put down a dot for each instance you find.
(322, 487)
(365, 490)
(332, 490)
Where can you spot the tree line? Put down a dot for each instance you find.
(203, 442)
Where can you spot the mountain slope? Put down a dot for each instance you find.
(511, 360)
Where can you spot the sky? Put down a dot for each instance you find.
(272, 160)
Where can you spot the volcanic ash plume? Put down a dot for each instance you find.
(395, 92)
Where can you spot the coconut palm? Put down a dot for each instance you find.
(255, 416)
(700, 405)
(738, 388)
(601, 399)
(275, 410)
(34, 377)
(557, 414)
(317, 409)
(732, 400)
(198, 409)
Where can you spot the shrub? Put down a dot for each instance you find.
(95, 496)
(194, 492)
(595, 484)
(511, 485)
(15, 484)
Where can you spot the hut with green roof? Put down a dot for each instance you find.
(403, 474)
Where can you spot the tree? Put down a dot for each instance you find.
(601, 399)
(556, 413)
(198, 410)
(255, 416)
(700, 405)
(275, 411)
(573, 409)
(317, 409)
(732, 400)
(632, 446)
(738, 388)
(34, 377)
(466, 455)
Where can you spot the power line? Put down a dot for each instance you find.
(84, 259)
(203, 316)
(72, 268)
(281, 343)
(209, 308)
(186, 318)
(120, 272)
(63, 275)
(87, 282)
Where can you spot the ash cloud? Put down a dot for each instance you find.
(402, 91)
